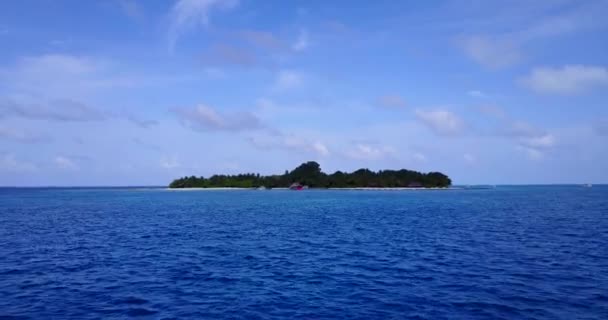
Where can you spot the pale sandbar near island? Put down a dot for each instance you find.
(206, 189)
(390, 189)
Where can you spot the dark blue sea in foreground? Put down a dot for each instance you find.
(504, 253)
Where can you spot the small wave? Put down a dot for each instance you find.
(132, 300)
(139, 312)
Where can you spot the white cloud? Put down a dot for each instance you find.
(392, 101)
(301, 43)
(205, 118)
(63, 110)
(370, 152)
(546, 19)
(532, 153)
(420, 157)
(541, 141)
(570, 79)
(536, 147)
(169, 162)
(469, 158)
(320, 148)
(9, 163)
(297, 143)
(52, 74)
(491, 52)
(18, 135)
(288, 79)
(534, 142)
(477, 94)
(57, 110)
(290, 143)
(443, 122)
(60, 75)
(65, 163)
(187, 15)
(57, 64)
(521, 129)
(277, 111)
(142, 123)
(60, 42)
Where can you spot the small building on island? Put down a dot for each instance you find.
(415, 184)
(297, 186)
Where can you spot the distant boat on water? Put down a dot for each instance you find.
(297, 186)
(588, 185)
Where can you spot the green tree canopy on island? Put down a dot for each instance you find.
(310, 174)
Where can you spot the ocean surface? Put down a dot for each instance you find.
(536, 252)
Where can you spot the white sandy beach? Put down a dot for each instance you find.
(349, 189)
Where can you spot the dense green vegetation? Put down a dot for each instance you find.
(310, 174)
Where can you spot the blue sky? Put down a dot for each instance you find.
(131, 92)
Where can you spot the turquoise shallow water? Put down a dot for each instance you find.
(505, 253)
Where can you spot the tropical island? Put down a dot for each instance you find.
(309, 174)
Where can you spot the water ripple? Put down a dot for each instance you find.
(507, 253)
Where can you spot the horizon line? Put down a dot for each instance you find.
(166, 186)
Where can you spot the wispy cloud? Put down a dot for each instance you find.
(53, 75)
(56, 110)
(290, 142)
(534, 142)
(532, 153)
(288, 79)
(419, 157)
(10, 163)
(60, 42)
(146, 144)
(570, 79)
(543, 141)
(371, 152)
(63, 110)
(247, 48)
(492, 52)
(169, 162)
(442, 122)
(302, 42)
(187, 15)
(142, 123)
(392, 101)
(469, 158)
(65, 163)
(502, 49)
(477, 94)
(18, 135)
(205, 118)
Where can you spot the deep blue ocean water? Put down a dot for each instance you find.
(505, 253)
